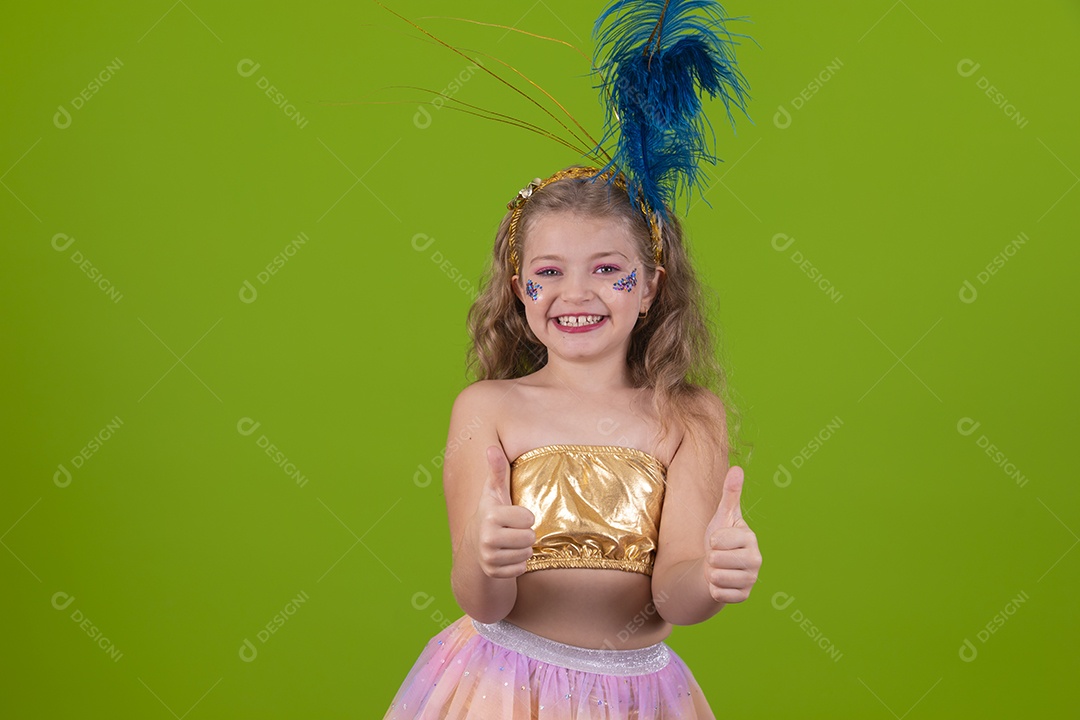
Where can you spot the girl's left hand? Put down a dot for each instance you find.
(732, 558)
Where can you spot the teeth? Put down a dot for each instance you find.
(579, 320)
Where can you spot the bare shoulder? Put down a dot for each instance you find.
(705, 429)
(479, 410)
(700, 409)
(483, 398)
(707, 404)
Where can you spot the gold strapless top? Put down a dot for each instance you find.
(596, 506)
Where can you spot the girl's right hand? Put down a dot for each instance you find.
(504, 531)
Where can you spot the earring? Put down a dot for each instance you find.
(642, 316)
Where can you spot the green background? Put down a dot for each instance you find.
(893, 543)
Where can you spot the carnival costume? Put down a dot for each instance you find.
(596, 506)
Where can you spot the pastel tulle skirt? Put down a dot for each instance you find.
(504, 672)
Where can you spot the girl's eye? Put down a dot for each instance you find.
(602, 269)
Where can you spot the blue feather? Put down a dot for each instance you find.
(656, 59)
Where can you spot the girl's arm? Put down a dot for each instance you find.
(707, 556)
(489, 537)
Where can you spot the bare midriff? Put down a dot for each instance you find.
(594, 608)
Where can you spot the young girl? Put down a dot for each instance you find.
(590, 502)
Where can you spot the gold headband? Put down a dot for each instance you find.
(518, 203)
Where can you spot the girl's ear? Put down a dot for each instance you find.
(516, 287)
(653, 286)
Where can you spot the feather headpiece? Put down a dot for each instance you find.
(655, 59)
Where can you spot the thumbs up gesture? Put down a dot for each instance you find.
(732, 558)
(504, 530)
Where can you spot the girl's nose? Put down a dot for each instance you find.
(579, 287)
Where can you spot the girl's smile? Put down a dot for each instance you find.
(579, 323)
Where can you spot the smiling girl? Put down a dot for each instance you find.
(591, 505)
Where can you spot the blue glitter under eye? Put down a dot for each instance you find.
(533, 290)
(627, 283)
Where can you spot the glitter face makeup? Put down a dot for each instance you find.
(627, 283)
(533, 290)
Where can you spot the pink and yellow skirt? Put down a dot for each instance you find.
(501, 671)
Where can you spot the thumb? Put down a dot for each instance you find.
(498, 475)
(728, 512)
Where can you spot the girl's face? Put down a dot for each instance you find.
(583, 284)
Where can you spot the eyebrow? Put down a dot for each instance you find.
(593, 257)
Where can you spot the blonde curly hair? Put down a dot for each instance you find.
(671, 350)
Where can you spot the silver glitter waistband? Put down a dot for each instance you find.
(640, 661)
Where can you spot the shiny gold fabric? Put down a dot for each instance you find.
(596, 506)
